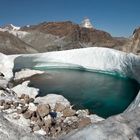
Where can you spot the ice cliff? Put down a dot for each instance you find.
(94, 58)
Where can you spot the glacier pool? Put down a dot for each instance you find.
(102, 94)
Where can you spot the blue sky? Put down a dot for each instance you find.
(118, 17)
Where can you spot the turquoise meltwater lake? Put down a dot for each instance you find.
(102, 94)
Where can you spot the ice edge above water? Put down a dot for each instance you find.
(98, 59)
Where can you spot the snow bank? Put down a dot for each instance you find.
(24, 89)
(6, 66)
(26, 73)
(3, 83)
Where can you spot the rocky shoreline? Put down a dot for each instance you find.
(44, 120)
(51, 116)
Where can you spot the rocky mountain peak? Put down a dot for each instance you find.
(86, 23)
(10, 27)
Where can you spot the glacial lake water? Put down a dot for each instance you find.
(102, 94)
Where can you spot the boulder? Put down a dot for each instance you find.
(43, 110)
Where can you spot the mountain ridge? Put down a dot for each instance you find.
(65, 35)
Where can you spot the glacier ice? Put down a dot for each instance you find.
(93, 58)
